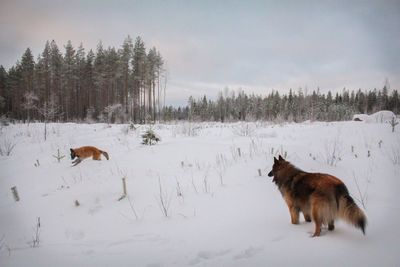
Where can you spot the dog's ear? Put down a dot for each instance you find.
(275, 161)
(72, 151)
(280, 158)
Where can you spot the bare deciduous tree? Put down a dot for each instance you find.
(49, 111)
(30, 103)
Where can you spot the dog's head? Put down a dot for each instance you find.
(73, 154)
(279, 164)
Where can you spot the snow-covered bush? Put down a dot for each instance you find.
(150, 138)
(188, 129)
(244, 129)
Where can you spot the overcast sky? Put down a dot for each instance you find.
(209, 45)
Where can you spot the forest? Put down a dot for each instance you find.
(110, 84)
(293, 106)
(129, 84)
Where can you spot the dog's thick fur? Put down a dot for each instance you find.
(320, 197)
(86, 152)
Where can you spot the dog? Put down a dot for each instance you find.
(321, 197)
(86, 152)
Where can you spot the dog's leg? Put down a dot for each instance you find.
(331, 226)
(294, 211)
(316, 216)
(76, 162)
(305, 209)
(317, 231)
(307, 217)
(294, 215)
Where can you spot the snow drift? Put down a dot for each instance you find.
(378, 117)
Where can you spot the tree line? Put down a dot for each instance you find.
(293, 106)
(108, 84)
(129, 84)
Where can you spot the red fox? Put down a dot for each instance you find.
(86, 152)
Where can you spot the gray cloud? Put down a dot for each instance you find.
(256, 45)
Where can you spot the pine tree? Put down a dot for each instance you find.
(125, 55)
(371, 101)
(69, 81)
(138, 77)
(384, 99)
(99, 73)
(43, 75)
(151, 81)
(27, 70)
(16, 92)
(89, 85)
(394, 103)
(56, 63)
(160, 71)
(111, 76)
(4, 91)
(79, 97)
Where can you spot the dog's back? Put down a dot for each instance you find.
(87, 152)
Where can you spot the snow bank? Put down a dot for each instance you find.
(379, 117)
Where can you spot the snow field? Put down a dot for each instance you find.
(220, 212)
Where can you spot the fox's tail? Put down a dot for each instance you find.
(105, 154)
(348, 209)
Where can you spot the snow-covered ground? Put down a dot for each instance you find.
(220, 211)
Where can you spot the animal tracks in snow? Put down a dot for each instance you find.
(73, 234)
(211, 255)
(208, 255)
(248, 253)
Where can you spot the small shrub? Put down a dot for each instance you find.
(333, 151)
(244, 129)
(150, 138)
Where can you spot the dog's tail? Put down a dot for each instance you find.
(348, 209)
(105, 154)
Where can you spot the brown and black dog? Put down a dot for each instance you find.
(86, 152)
(320, 197)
